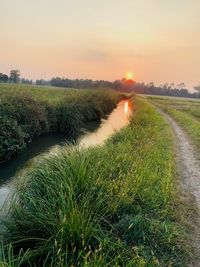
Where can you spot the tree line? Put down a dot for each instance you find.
(125, 85)
(14, 77)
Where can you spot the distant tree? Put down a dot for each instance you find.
(26, 81)
(168, 89)
(3, 78)
(181, 85)
(42, 82)
(197, 88)
(15, 76)
(39, 82)
(165, 86)
(151, 84)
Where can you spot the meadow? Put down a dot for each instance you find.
(117, 210)
(29, 111)
(185, 111)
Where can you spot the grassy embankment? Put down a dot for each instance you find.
(29, 111)
(113, 205)
(185, 112)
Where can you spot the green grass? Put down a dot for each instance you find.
(29, 111)
(113, 205)
(186, 113)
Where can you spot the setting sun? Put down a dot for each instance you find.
(129, 75)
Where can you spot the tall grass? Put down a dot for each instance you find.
(113, 205)
(29, 111)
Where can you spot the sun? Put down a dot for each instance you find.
(129, 75)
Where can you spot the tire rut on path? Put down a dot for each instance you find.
(189, 171)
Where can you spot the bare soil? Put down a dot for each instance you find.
(189, 172)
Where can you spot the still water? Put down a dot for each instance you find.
(93, 134)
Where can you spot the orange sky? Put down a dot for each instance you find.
(158, 40)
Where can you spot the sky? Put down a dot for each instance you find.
(157, 40)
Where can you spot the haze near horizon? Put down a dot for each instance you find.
(157, 40)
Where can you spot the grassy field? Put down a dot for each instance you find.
(186, 112)
(29, 111)
(117, 210)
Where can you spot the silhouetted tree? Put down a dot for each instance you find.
(3, 78)
(42, 82)
(168, 89)
(197, 88)
(15, 76)
(26, 81)
(181, 85)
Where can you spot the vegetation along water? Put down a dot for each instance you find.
(110, 205)
(29, 111)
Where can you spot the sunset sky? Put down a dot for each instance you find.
(157, 40)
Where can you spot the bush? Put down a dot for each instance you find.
(27, 112)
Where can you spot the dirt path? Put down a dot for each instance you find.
(189, 171)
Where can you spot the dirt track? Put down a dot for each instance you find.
(189, 171)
